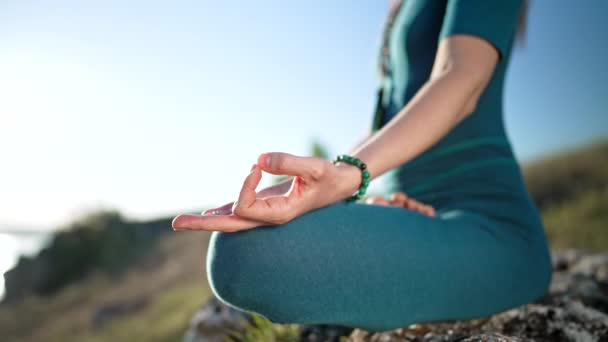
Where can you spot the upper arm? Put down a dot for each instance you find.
(495, 21)
(477, 32)
(475, 36)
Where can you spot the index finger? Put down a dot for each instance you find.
(224, 223)
(280, 163)
(247, 196)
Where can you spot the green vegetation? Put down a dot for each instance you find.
(169, 283)
(166, 319)
(571, 192)
(579, 223)
(102, 242)
(264, 330)
(565, 176)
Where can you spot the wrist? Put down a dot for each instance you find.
(354, 186)
(349, 179)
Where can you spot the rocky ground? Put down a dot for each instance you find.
(574, 309)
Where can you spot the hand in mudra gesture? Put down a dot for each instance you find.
(316, 183)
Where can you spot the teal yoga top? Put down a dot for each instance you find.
(479, 140)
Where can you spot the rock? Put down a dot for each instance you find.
(563, 260)
(214, 322)
(323, 333)
(582, 288)
(595, 266)
(492, 337)
(562, 319)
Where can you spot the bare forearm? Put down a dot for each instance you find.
(437, 107)
(360, 143)
(463, 66)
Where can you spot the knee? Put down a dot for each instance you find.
(225, 270)
(241, 274)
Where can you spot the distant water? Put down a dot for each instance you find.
(13, 245)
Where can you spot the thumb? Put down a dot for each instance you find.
(279, 163)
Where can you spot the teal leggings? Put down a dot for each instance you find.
(381, 268)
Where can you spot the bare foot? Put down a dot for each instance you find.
(400, 199)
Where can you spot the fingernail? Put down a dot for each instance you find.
(252, 167)
(266, 160)
(175, 223)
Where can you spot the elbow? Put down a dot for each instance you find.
(469, 107)
(465, 83)
(468, 64)
(473, 82)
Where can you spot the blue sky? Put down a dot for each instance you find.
(157, 107)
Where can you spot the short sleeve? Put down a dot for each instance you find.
(492, 20)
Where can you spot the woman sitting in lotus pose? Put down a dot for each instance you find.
(470, 245)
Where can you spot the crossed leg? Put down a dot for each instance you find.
(378, 267)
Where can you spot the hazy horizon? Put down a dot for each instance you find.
(18, 230)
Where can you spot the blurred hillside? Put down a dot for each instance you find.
(105, 278)
(99, 241)
(571, 191)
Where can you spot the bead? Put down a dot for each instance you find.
(364, 174)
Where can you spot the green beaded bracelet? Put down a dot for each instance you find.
(364, 174)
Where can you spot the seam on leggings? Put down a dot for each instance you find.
(501, 141)
(461, 169)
